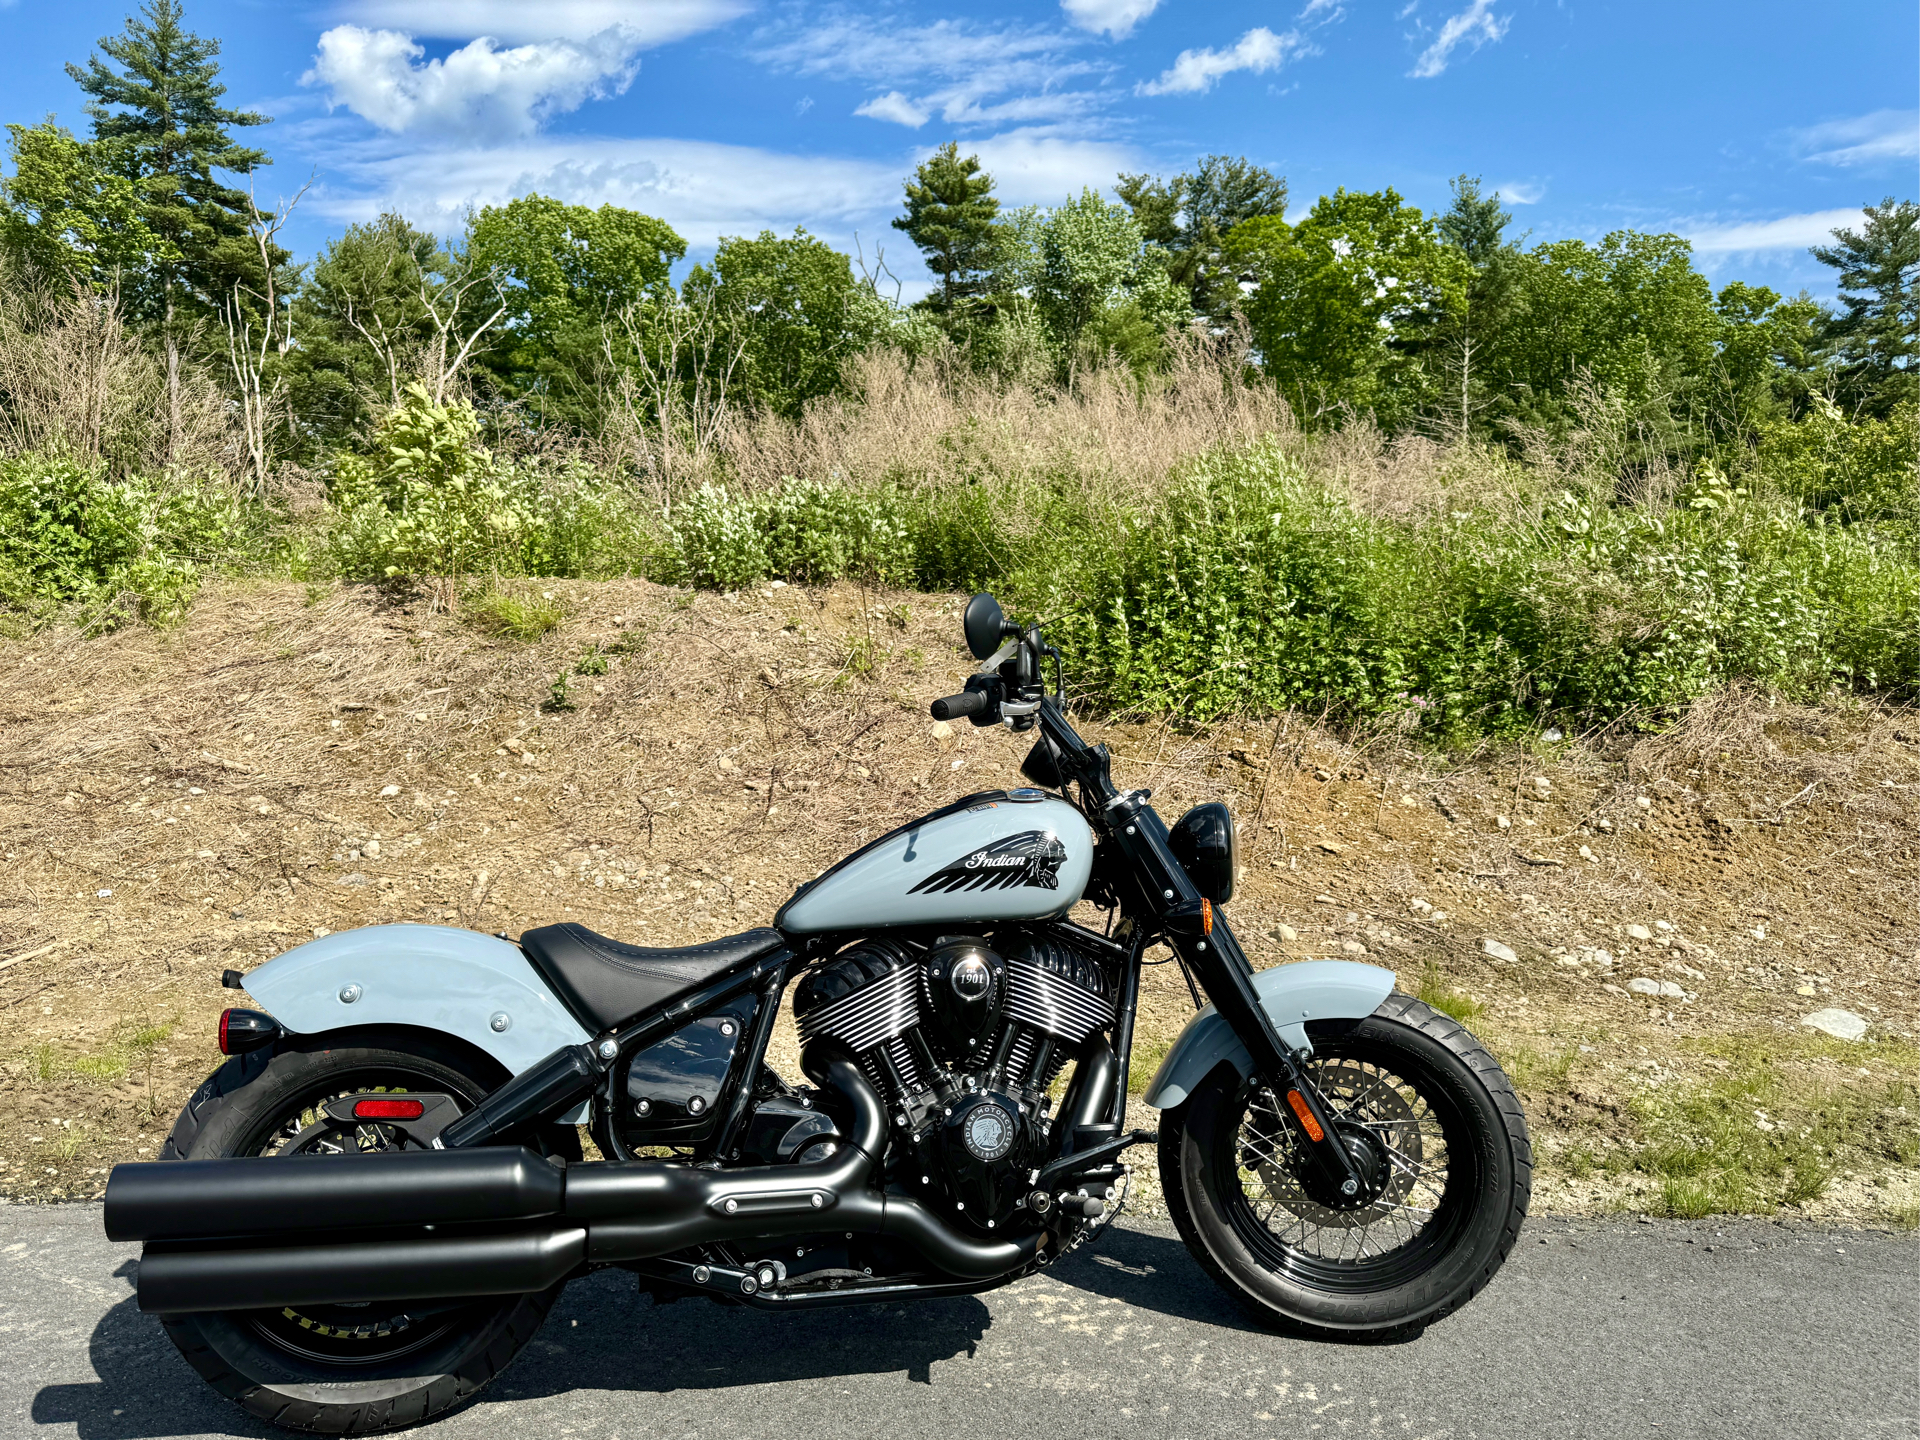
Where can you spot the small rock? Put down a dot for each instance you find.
(1554, 735)
(1663, 925)
(1641, 985)
(1759, 932)
(1332, 847)
(1438, 916)
(1542, 786)
(1644, 803)
(1420, 907)
(1585, 853)
(958, 763)
(1805, 989)
(1603, 958)
(387, 792)
(942, 730)
(320, 932)
(1323, 775)
(1503, 822)
(371, 849)
(1672, 990)
(1612, 989)
(1639, 932)
(203, 855)
(726, 765)
(1841, 1024)
(1353, 947)
(1285, 934)
(1690, 972)
(1604, 824)
(778, 585)
(1497, 951)
(1325, 900)
(356, 879)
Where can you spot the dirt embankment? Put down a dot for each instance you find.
(300, 760)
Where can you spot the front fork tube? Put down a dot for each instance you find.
(1216, 957)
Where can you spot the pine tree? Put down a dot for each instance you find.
(158, 122)
(1876, 338)
(1474, 221)
(950, 216)
(1187, 219)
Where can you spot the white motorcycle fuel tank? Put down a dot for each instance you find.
(991, 858)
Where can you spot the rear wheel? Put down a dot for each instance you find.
(1430, 1119)
(341, 1369)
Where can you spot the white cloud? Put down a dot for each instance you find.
(477, 92)
(1114, 17)
(895, 107)
(1194, 71)
(1320, 7)
(1863, 140)
(1521, 192)
(1033, 168)
(968, 76)
(1789, 232)
(648, 22)
(1476, 25)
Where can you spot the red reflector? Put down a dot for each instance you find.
(224, 1014)
(388, 1109)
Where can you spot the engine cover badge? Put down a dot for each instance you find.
(988, 1132)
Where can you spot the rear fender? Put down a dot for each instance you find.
(432, 977)
(1291, 996)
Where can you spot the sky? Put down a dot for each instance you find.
(1751, 128)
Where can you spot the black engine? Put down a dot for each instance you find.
(962, 1035)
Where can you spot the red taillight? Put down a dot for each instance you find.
(225, 1015)
(388, 1109)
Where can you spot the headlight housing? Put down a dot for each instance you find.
(1208, 849)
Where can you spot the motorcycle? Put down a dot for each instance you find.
(374, 1202)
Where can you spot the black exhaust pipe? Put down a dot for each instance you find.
(183, 1281)
(189, 1199)
(593, 1213)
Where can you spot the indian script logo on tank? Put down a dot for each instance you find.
(1030, 858)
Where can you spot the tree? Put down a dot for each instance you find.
(1473, 223)
(1187, 220)
(67, 219)
(1876, 336)
(1096, 281)
(797, 309)
(950, 217)
(565, 270)
(1348, 302)
(159, 124)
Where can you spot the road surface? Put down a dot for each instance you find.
(1594, 1329)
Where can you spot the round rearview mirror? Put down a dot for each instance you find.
(984, 625)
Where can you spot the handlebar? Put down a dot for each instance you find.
(954, 707)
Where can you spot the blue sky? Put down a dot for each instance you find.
(1751, 128)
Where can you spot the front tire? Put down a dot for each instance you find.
(341, 1369)
(1447, 1137)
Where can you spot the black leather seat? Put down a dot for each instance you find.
(605, 983)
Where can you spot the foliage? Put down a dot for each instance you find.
(1096, 282)
(1876, 336)
(70, 536)
(1855, 471)
(1347, 301)
(797, 310)
(67, 217)
(950, 217)
(513, 615)
(1186, 221)
(431, 500)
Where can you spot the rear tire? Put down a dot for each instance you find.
(341, 1370)
(1453, 1142)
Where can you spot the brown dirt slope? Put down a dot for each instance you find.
(298, 760)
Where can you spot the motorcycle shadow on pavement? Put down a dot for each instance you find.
(603, 1335)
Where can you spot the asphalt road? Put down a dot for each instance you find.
(1592, 1330)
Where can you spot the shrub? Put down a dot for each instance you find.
(134, 546)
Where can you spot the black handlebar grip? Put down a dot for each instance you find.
(953, 707)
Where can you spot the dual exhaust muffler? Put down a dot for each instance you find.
(256, 1233)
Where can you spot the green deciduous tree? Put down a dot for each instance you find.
(1349, 301)
(1876, 336)
(565, 270)
(1096, 282)
(65, 218)
(950, 217)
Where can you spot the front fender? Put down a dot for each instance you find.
(459, 982)
(1291, 996)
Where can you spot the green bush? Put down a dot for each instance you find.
(69, 535)
(430, 499)
(1863, 470)
(805, 531)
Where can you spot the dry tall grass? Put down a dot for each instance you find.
(75, 379)
(937, 420)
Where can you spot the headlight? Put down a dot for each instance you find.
(1208, 849)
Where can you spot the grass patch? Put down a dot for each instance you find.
(509, 616)
(1435, 991)
(1146, 1064)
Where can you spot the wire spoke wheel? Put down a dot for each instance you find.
(1435, 1132)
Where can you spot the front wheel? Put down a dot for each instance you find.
(1431, 1119)
(341, 1369)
